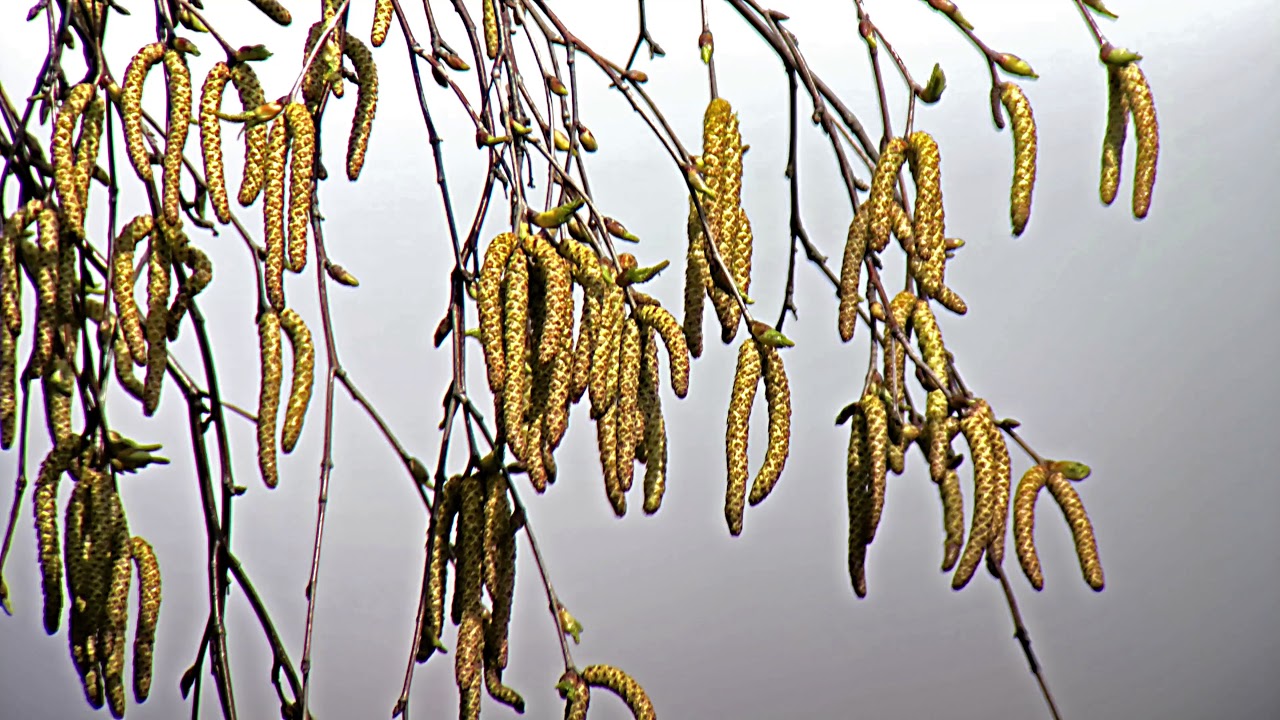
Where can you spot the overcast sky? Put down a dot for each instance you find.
(1147, 349)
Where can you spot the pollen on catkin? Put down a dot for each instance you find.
(304, 363)
(1024, 154)
(1146, 130)
(271, 373)
(366, 101)
(211, 139)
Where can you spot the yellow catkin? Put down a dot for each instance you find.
(576, 694)
(157, 326)
(654, 440)
(930, 220)
(515, 288)
(558, 283)
(211, 139)
(895, 357)
(444, 509)
(11, 234)
(1113, 138)
(855, 248)
(1081, 529)
(1003, 470)
(858, 493)
(88, 558)
(502, 693)
(985, 499)
(468, 668)
(952, 518)
(304, 366)
(1146, 130)
(778, 394)
(63, 152)
(273, 212)
(45, 510)
(273, 10)
(489, 305)
(883, 181)
(1024, 523)
(658, 318)
(255, 138)
(742, 252)
(57, 405)
(144, 638)
(201, 275)
(47, 234)
(939, 428)
(131, 103)
(271, 372)
(556, 415)
(383, 12)
(608, 339)
(366, 98)
(87, 148)
(901, 224)
(746, 380)
(697, 275)
(877, 449)
(607, 444)
(489, 19)
(175, 138)
(932, 348)
(115, 629)
(629, 433)
(500, 566)
(122, 285)
(468, 547)
(302, 146)
(1024, 154)
(623, 685)
(722, 168)
(582, 350)
(8, 388)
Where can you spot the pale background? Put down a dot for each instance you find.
(1146, 349)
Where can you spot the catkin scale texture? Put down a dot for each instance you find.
(489, 305)
(469, 548)
(489, 21)
(1081, 529)
(1024, 155)
(131, 102)
(985, 494)
(855, 248)
(122, 286)
(952, 518)
(47, 234)
(255, 138)
(175, 138)
(881, 198)
(149, 596)
(159, 267)
(623, 685)
(304, 364)
(515, 291)
(746, 380)
(444, 509)
(271, 372)
(778, 395)
(302, 146)
(273, 212)
(366, 97)
(1113, 138)
(697, 277)
(69, 196)
(930, 220)
(1146, 130)
(658, 318)
(211, 139)
(383, 12)
(858, 495)
(1024, 523)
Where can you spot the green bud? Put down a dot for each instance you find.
(1118, 56)
(932, 91)
(1071, 469)
(1098, 7)
(556, 216)
(252, 53)
(617, 230)
(644, 274)
(1015, 65)
(765, 334)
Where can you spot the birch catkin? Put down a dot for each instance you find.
(746, 380)
(304, 363)
(175, 138)
(1024, 154)
(211, 139)
(272, 369)
(366, 96)
(1146, 129)
(1113, 138)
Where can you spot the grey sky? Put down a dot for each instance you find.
(1146, 349)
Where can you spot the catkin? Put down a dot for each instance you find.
(1113, 138)
(122, 285)
(515, 288)
(489, 19)
(273, 212)
(87, 149)
(895, 358)
(855, 248)
(658, 318)
(255, 138)
(47, 234)
(607, 330)
(623, 685)
(952, 518)
(697, 276)
(746, 380)
(883, 180)
(8, 388)
(383, 12)
(858, 494)
(201, 275)
(1081, 529)
(1003, 468)
(1146, 130)
(469, 548)
(14, 229)
(778, 395)
(366, 96)
(582, 349)
(558, 298)
(304, 365)
(45, 510)
(144, 638)
(211, 139)
(175, 138)
(576, 694)
(629, 433)
(932, 349)
(64, 163)
(131, 107)
(1024, 522)
(654, 440)
(468, 668)
(157, 325)
(302, 146)
(500, 566)
(930, 221)
(607, 444)
(273, 10)
(985, 497)
(489, 304)
(444, 508)
(272, 368)
(1024, 154)
(115, 629)
(877, 453)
